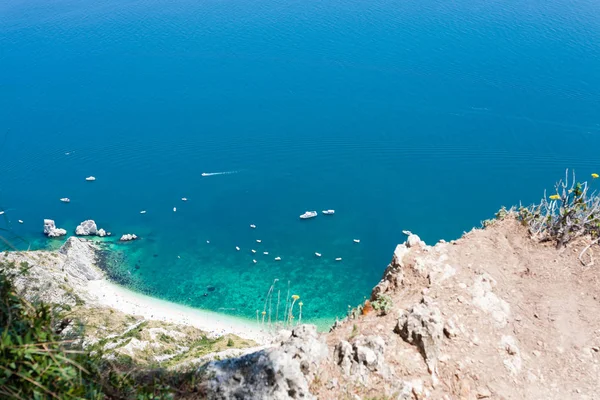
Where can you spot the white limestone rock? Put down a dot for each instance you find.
(278, 373)
(87, 228)
(51, 230)
(128, 237)
(101, 233)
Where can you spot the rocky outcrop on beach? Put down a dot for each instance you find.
(51, 230)
(128, 237)
(58, 277)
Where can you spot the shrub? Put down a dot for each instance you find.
(383, 304)
(35, 362)
(571, 212)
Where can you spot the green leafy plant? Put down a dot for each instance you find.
(383, 304)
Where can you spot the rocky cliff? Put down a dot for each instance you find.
(493, 315)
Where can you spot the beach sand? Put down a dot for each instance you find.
(130, 302)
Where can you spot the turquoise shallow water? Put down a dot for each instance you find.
(422, 115)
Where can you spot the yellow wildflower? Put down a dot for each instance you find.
(295, 297)
(555, 197)
(263, 313)
(594, 175)
(301, 304)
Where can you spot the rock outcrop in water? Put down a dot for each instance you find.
(128, 237)
(51, 230)
(89, 228)
(86, 228)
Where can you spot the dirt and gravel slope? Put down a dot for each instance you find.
(492, 315)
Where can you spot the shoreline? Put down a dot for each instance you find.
(112, 295)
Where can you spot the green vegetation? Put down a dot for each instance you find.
(571, 212)
(42, 352)
(383, 304)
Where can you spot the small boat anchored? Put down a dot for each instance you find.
(143, 212)
(318, 254)
(237, 248)
(20, 221)
(356, 240)
(205, 174)
(65, 200)
(338, 259)
(277, 258)
(308, 214)
(253, 226)
(174, 209)
(266, 253)
(90, 178)
(184, 199)
(328, 212)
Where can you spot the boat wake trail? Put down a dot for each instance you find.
(219, 173)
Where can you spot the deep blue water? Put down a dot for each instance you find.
(423, 115)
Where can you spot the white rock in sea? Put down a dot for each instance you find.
(51, 230)
(87, 228)
(128, 237)
(101, 233)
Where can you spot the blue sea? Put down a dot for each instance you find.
(422, 115)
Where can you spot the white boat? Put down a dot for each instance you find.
(328, 212)
(258, 241)
(356, 240)
(90, 178)
(277, 258)
(65, 200)
(1, 212)
(208, 242)
(266, 253)
(318, 254)
(308, 214)
(184, 199)
(20, 221)
(174, 209)
(253, 226)
(338, 259)
(254, 251)
(254, 261)
(143, 212)
(237, 248)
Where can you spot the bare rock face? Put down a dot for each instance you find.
(423, 327)
(87, 228)
(361, 358)
(51, 230)
(80, 259)
(281, 372)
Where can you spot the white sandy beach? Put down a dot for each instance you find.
(127, 301)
